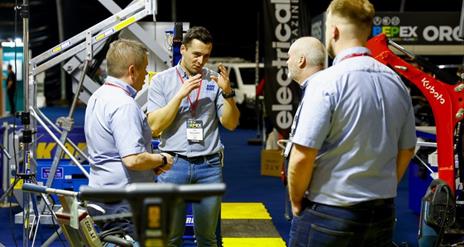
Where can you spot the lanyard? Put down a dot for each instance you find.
(193, 106)
(116, 85)
(355, 55)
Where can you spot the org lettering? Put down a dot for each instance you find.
(441, 33)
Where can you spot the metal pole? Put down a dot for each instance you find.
(259, 139)
(23, 170)
(5, 163)
(25, 14)
(401, 49)
(461, 22)
(174, 10)
(259, 112)
(59, 14)
(403, 3)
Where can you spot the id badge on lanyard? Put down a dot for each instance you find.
(195, 130)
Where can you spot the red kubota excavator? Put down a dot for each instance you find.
(441, 220)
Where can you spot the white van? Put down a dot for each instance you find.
(242, 78)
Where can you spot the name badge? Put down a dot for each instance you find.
(194, 130)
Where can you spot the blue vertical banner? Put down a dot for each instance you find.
(282, 25)
(8, 57)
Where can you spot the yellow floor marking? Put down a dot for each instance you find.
(251, 210)
(253, 242)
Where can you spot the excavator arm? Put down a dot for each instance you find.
(445, 99)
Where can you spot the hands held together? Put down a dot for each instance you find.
(194, 82)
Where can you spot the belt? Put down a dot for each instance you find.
(373, 203)
(196, 159)
(379, 203)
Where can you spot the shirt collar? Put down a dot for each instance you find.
(124, 86)
(182, 72)
(305, 82)
(350, 51)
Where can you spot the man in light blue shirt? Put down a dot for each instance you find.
(117, 133)
(192, 101)
(306, 58)
(354, 139)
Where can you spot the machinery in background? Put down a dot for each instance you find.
(150, 204)
(83, 53)
(442, 206)
(243, 75)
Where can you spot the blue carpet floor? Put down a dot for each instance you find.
(244, 184)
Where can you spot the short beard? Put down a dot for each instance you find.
(291, 75)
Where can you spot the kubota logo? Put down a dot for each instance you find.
(432, 91)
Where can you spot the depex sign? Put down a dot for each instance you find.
(419, 28)
(408, 28)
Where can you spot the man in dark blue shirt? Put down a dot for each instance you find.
(11, 88)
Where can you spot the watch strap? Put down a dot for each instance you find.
(228, 95)
(164, 158)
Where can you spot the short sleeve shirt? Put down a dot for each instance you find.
(164, 86)
(358, 114)
(115, 127)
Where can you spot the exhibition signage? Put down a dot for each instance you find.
(408, 28)
(419, 28)
(282, 25)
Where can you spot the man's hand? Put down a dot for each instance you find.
(163, 168)
(189, 85)
(300, 172)
(223, 81)
(296, 208)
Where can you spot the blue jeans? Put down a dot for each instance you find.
(325, 226)
(205, 213)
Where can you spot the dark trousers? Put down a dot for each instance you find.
(11, 100)
(366, 224)
(124, 224)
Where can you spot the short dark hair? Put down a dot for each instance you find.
(9, 66)
(200, 33)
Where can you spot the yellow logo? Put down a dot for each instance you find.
(46, 149)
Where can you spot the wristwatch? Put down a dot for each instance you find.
(165, 159)
(228, 95)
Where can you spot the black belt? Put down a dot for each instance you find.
(362, 205)
(196, 159)
(373, 203)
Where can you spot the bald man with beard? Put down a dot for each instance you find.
(306, 57)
